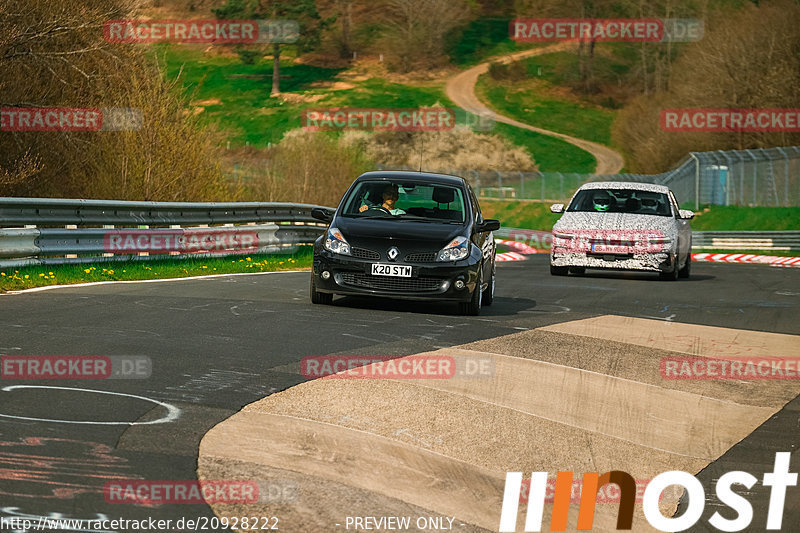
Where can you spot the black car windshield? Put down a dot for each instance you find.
(632, 201)
(425, 202)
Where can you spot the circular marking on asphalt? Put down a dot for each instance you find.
(172, 412)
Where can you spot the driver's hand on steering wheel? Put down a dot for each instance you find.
(363, 208)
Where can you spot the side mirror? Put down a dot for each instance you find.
(686, 214)
(557, 208)
(323, 214)
(489, 224)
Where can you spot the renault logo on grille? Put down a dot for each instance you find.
(393, 253)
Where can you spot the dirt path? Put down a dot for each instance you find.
(461, 90)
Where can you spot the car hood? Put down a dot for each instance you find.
(615, 221)
(411, 236)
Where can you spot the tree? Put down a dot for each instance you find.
(415, 30)
(747, 59)
(53, 54)
(304, 12)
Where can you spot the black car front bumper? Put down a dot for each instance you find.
(429, 281)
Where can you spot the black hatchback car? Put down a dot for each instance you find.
(409, 235)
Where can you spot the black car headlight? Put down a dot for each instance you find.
(336, 243)
(457, 249)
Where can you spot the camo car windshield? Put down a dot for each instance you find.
(406, 201)
(636, 202)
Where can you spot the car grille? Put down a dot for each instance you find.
(360, 279)
(422, 257)
(363, 253)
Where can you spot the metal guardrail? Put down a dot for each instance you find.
(58, 231)
(746, 240)
(701, 240)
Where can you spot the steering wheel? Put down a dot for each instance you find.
(379, 208)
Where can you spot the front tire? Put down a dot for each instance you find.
(670, 276)
(473, 306)
(687, 267)
(488, 294)
(319, 297)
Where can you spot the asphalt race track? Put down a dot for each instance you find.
(219, 344)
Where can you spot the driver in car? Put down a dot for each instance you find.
(390, 196)
(601, 201)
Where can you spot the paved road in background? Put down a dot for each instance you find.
(461, 90)
(218, 344)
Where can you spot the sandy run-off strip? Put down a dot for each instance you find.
(581, 396)
(461, 90)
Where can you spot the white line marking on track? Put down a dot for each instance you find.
(172, 412)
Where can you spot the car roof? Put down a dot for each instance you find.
(429, 177)
(629, 185)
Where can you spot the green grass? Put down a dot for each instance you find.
(517, 214)
(13, 279)
(612, 64)
(733, 218)
(536, 215)
(252, 117)
(530, 103)
(481, 39)
(245, 108)
(549, 153)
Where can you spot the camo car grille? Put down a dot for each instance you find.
(360, 279)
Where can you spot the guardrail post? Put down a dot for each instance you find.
(696, 180)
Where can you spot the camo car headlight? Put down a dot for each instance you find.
(336, 243)
(457, 249)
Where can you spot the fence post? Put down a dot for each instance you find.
(542, 178)
(696, 180)
(785, 176)
(755, 175)
(522, 185)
